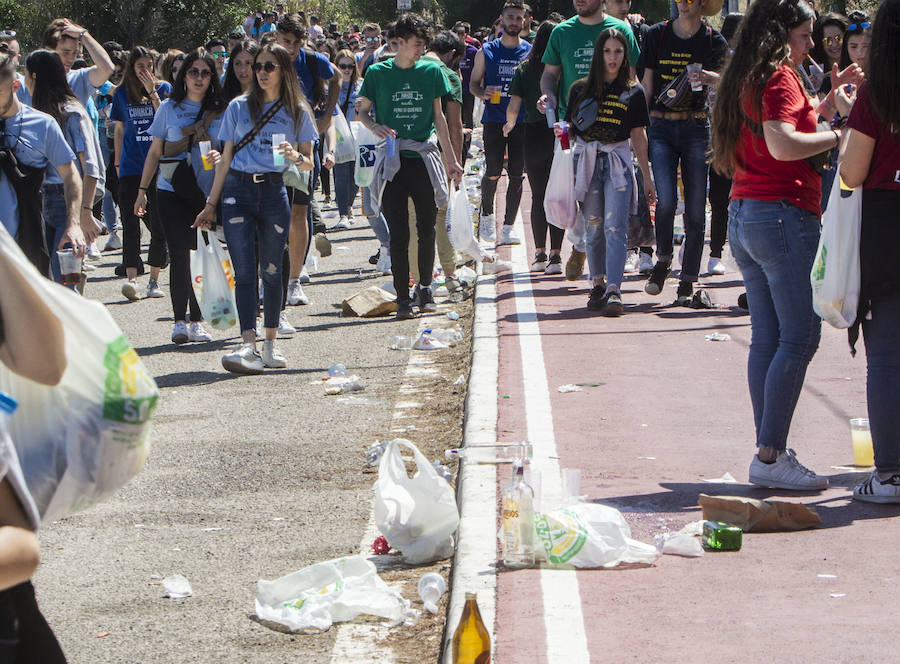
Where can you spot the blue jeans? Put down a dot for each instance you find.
(774, 244)
(344, 187)
(376, 220)
(256, 209)
(606, 210)
(54, 203)
(883, 380)
(110, 213)
(685, 142)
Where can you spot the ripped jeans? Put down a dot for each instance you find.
(606, 212)
(256, 208)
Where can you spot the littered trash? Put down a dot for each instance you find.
(838, 595)
(380, 546)
(102, 635)
(431, 588)
(678, 544)
(826, 576)
(401, 343)
(343, 385)
(727, 478)
(314, 598)
(589, 535)
(449, 336)
(177, 587)
(452, 315)
(442, 470)
(373, 454)
(460, 381)
(466, 276)
(337, 370)
(427, 342)
(751, 515)
(568, 387)
(718, 336)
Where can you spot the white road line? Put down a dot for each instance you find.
(563, 619)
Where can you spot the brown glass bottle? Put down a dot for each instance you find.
(471, 641)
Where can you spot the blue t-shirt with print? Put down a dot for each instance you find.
(80, 82)
(37, 141)
(500, 65)
(257, 156)
(324, 70)
(170, 118)
(136, 119)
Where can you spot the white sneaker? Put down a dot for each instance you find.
(344, 223)
(87, 267)
(632, 261)
(196, 332)
(487, 228)
(92, 253)
(877, 490)
(272, 357)
(244, 360)
(113, 242)
(295, 294)
(304, 277)
(715, 266)
(284, 326)
(180, 333)
(785, 473)
(153, 289)
(646, 266)
(130, 290)
(539, 264)
(260, 331)
(508, 235)
(384, 260)
(496, 267)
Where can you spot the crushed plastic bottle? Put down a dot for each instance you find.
(466, 276)
(449, 336)
(337, 370)
(452, 315)
(427, 341)
(343, 385)
(375, 452)
(401, 343)
(443, 471)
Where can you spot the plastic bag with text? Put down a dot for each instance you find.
(366, 142)
(559, 199)
(315, 597)
(345, 147)
(213, 280)
(589, 535)
(418, 514)
(835, 276)
(84, 438)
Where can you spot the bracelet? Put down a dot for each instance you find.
(86, 207)
(837, 135)
(212, 205)
(141, 188)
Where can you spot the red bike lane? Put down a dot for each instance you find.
(671, 410)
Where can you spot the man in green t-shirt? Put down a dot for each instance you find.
(566, 59)
(406, 92)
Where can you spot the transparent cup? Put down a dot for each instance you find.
(402, 343)
(693, 72)
(277, 157)
(861, 437)
(69, 267)
(205, 147)
(495, 96)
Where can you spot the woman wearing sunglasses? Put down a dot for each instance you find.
(828, 35)
(190, 116)
(250, 186)
(344, 184)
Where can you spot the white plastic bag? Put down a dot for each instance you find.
(213, 280)
(460, 227)
(365, 147)
(417, 515)
(477, 111)
(559, 199)
(835, 275)
(589, 535)
(84, 438)
(317, 596)
(345, 147)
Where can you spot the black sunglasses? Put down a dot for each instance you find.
(267, 67)
(346, 66)
(193, 72)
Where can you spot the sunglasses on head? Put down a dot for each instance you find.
(833, 41)
(7, 34)
(859, 26)
(193, 72)
(267, 67)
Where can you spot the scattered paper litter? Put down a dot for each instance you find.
(727, 478)
(211, 530)
(569, 387)
(177, 587)
(836, 595)
(460, 381)
(718, 336)
(647, 458)
(826, 576)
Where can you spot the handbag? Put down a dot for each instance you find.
(676, 92)
(586, 115)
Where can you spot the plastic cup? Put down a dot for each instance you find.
(277, 157)
(550, 114)
(401, 343)
(571, 483)
(693, 71)
(69, 267)
(204, 155)
(861, 437)
(495, 96)
(563, 128)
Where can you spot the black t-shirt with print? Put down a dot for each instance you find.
(668, 56)
(619, 111)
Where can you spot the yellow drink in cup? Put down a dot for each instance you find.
(495, 96)
(204, 155)
(861, 437)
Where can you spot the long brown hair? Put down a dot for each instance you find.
(289, 91)
(133, 85)
(884, 59)
(592, 85)
(761, 46)
(348, 54)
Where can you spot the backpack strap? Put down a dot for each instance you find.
(268, 115)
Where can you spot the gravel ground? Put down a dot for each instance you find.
(249, 478)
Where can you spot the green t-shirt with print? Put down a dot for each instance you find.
(528, 87)
(571, 46)
(455, 93)
(403, 98)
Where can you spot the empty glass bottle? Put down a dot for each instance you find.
(518, 520)
(471, 641)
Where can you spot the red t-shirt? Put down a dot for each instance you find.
(758, 175)
(884, 171)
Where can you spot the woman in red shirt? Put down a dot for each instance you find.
(764, 130)
(871, 158)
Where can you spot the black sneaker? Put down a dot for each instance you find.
(319, 227)
(657, 278)
(612, 305)
(425, 299)
(405, 310)
(554, 265)
(685, 294)
(373, 259)
(597, 299)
